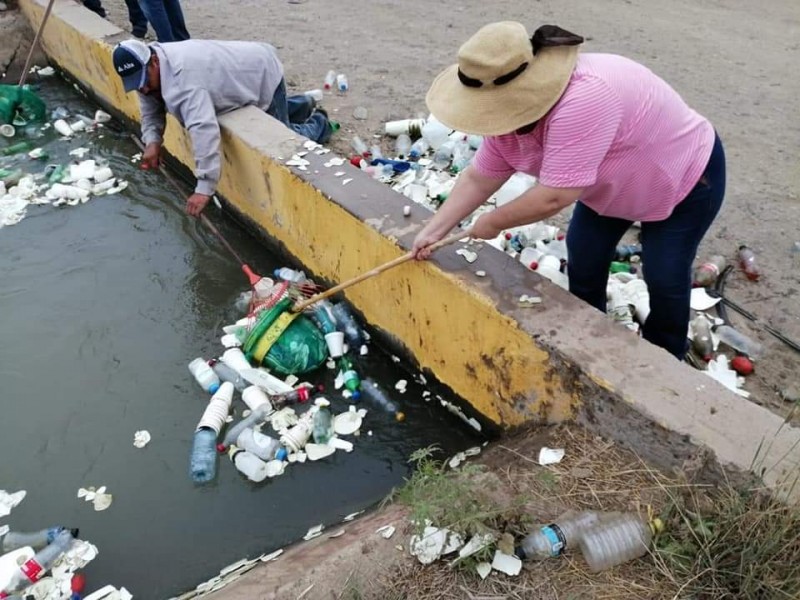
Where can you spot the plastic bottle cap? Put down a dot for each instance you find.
(221, 448)
(213, 388)
(302, 394)
(400, 416)
(508, 236)
(281, 454)
(356, 395)
(534, 265)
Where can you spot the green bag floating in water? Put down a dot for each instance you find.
(20, 103)
(285, 342)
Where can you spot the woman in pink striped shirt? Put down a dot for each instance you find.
(599, 131)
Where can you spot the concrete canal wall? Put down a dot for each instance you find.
(511, 365)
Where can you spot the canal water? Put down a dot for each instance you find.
(103, 305)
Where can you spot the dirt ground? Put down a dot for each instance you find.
(728, 59)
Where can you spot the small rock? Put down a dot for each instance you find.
(3, 6)
(360, 113)
(791, 393)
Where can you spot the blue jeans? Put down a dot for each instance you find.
(297, 113)
(137, 18)
(166, 18)
(668, 250)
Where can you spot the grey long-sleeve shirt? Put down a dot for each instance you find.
(201, 79)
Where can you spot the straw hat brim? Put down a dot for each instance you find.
(499, 109)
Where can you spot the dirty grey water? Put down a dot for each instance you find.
(102, 306)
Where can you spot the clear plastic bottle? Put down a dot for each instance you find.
(747, 260)
(204, 375)
(738, 341)
(346, 323)
(552, 540)
(34, 568)
(402, 145)
(706, 274)
(615, 541)
(341, 83)
(558, 248)
(359, 146)
(203, 461)
(35, 539)
(256, 443)
(226, 373)
(249, 422)
(378, 396)
(375, 151)
(530, 257)
(322, 318)
(443, 155)
(323, 422)
(462, 156)
(330, 80)
(291, 275)
(701, 338)
(418, 148)
(248, 464)
(435, 132)
(315, 94)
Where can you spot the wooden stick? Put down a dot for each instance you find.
(376, 271)
(34, 43)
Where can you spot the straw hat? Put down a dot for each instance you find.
(504, 80)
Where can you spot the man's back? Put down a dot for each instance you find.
(234, 74)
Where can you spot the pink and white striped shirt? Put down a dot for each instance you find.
(618, 131)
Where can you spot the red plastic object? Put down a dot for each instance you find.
(78, 583)
(254, 278)
(742, 365)
(356, 161)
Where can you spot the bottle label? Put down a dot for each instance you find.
(32, 570)
(556, 538)
(711, 267)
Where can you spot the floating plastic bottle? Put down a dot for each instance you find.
(226, 373)
(204, 375)
(346, 322)
(552, 540)
(292, 275)
(35, 568)
(323, 422)
(402, 145)
(300, 394)
(203, 461)
(17, 148)
(378, 396)
(747, 260)
(350, 376)
(248, 464)
(256, 443)
(701, 338)
(321, 318)
(341, 83)
(316, 94)
(62, 127)
(738, 341)
(330, 80)
(707, 273)
(256, 417)
(615, 541)
(35, 539)
(418, 148)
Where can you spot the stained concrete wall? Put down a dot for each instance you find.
(511, 365)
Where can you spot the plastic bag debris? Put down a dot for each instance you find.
(387, 531)
(98, 497)
(483, 569)
(550, 456)
(141, 438)
(314, 532)
(506, 563)
(719, 369)
(9, 501)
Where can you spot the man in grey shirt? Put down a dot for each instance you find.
(196, 80)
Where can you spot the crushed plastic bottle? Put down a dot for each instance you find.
(260, 445)
(614, 541)
(322, 430)
(35, 568)
(747, 260)
(707, 273)
(330, 80)
(738, 341)
(552, 540)
(204, 375)
(35, 539)
(701, 338)
(248, 464)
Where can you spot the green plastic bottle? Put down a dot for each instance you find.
(58, 174)
(620, 267)
(17, 148)
(351, 379)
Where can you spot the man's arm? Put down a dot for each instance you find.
(200, 120)
(153, 119)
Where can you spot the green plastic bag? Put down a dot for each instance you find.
(293, 344)
(20, 102)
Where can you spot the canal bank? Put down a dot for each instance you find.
(510, 364)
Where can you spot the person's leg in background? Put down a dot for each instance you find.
(137, 18)
(591, 242)
(176, 21)
(156, 13)
(95, 6)
(300, 107)
(316, 127)
(668, 251)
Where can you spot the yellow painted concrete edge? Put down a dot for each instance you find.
(512, 365)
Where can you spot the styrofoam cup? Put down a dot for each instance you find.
(254, 397)
(7, 130)
(235, 359)
(218, 408)
(335, 341)
(295, 439)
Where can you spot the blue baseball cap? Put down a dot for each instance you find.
(130, 62)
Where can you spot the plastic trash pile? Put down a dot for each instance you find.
(26, 178)
(283, 422)
(26, 558)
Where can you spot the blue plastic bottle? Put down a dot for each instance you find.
(203, 462)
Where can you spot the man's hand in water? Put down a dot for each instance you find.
(196, 203)
(151, 157)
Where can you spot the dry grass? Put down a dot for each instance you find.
(719, 543)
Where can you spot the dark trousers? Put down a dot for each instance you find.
(668, 251)
(166, 18)
(297, 113)
(137, 18)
